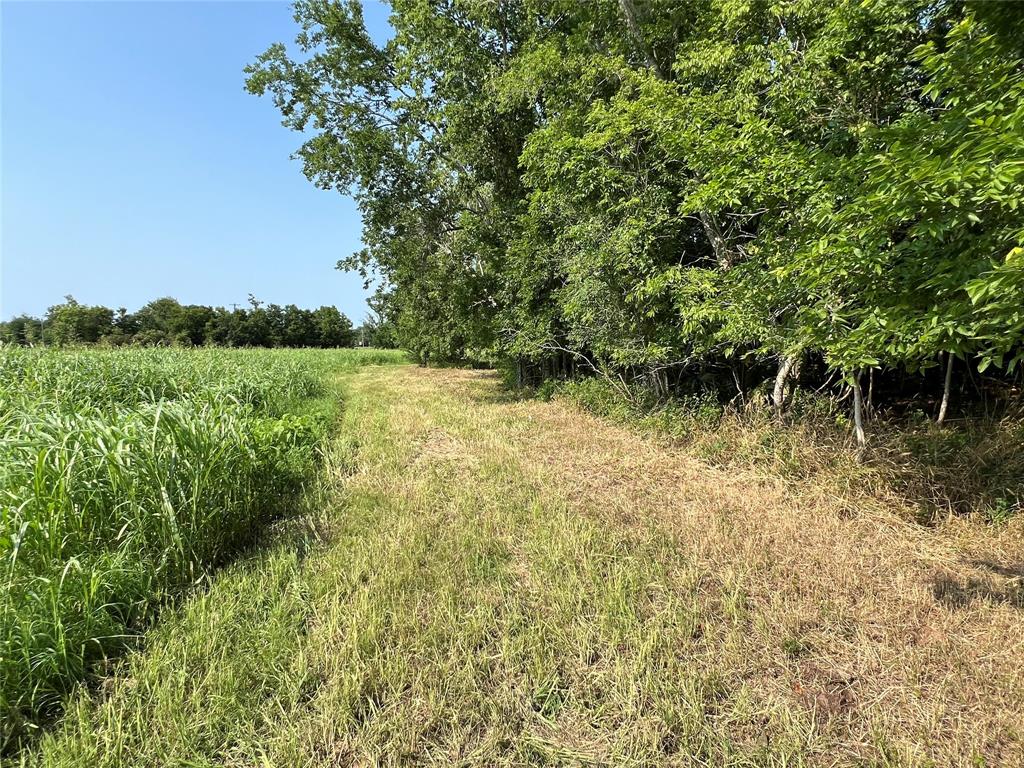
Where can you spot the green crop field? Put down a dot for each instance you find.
(124, 476)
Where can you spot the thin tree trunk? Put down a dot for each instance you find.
(869, 411)
(718, 243)
(738, 383)
(779, 393)
(858, 413)
(945, 389)
(629, 13)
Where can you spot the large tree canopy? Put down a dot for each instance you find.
(660, 187)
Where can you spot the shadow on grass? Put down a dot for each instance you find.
(972, 467)
(292, 528)
(958, 593)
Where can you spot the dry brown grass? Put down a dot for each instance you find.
(888, 632)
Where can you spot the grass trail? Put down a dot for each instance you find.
(500, 582)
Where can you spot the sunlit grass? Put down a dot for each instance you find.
(124, 475)
(479, 580)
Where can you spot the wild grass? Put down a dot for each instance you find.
(482, 581)
(971, 467)
(124, 477)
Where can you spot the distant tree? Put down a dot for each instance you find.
(35, 332)
(123, 331)
(333, 328)
(126, 322)
(191, 328)
(276, 320)
(375, 332)
(226, 327)
(22, 330)
(75, 323)
(299, 327)
(166, 321)
(159, 321)
(254, 330)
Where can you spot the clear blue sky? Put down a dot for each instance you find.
(134, 164)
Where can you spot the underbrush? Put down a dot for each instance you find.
(124, 477)
(971, 467)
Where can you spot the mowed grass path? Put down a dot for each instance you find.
(487, 581)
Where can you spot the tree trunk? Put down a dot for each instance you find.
(718, 243)
(629, 14)
(779, 393)
(739, 384)
(945, 389)
(869, 410)
(858, 413)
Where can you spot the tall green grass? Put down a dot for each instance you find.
(126, 475)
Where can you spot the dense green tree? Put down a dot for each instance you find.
(667, 191)
(927, 248)
(75, 323)
(225, 328)
(166, 321)
(22, 330)
(413, 131)
(331, 328)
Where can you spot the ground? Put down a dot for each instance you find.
(493, 581)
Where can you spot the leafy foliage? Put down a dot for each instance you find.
(658, 190)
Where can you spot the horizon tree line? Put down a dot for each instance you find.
(167, 322)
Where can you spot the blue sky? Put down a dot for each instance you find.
(134, 164)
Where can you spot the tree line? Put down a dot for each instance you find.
(742, 192)
(166, 322)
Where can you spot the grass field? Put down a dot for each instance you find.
(475, 579)
(123, 477)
